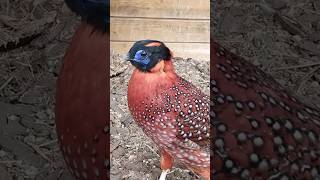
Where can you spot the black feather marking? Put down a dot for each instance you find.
(95, 12)
(161, 52)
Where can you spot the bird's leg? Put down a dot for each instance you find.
(166, 162)
(164, 174)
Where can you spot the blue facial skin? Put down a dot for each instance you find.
(142, 57)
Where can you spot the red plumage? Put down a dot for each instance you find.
(261, 131)
(82, 104)
(173, 113)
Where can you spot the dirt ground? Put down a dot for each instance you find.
(280, 36)
(33, 37)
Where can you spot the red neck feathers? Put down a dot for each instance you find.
(143, 85)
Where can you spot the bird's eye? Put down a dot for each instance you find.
(143, 53)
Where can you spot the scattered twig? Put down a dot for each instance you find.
(10, 162)
(37, 150)
(310, 11)
(305, 78)
(118, 73)
(48, 143)
(152, 150)
(297, 66)
(6, 83)
(289, 24)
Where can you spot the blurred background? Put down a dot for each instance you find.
(34, 35)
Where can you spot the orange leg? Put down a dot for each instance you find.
(166, 163)
(166, 160)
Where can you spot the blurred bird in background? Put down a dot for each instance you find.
(169, 109)
(82, 97)
(260, 130)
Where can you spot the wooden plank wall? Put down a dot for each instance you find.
(184, 25)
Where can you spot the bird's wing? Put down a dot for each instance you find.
(185, 151)
(192, 108)
(184, 129)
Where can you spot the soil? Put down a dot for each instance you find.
(33, 38)
(280, 36)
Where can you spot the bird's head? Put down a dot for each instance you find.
(147, 55)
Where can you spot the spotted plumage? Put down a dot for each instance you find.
(260, 130)
(170, 110)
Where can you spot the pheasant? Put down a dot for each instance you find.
(170, 110)
(260, 130)
(82, 93)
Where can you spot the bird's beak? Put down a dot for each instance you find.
(127, 57)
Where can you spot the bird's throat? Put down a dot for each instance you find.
(159, 68)
(147, 84)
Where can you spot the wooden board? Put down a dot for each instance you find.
(133, 29)
(198, 51)
(189, 9)
(184, 25)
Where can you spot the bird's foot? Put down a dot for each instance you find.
(164, 174)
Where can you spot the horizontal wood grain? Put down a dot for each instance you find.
(132, 29)
(190, 9)
(198, 51)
